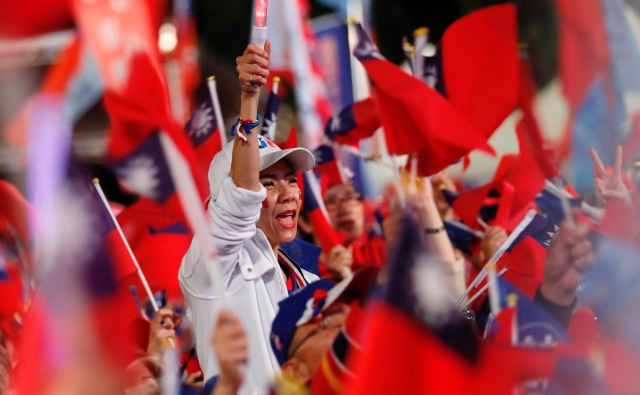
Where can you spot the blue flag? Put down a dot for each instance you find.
(270, 117)
(202, 124)
(146, 171)
(535, 327)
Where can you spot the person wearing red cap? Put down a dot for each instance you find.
(254, 206)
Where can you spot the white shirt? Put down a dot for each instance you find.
(254, 283)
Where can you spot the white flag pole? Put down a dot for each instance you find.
(213, 93)
(272, 125)
(192, 206)
(499, 252)
(141, 276)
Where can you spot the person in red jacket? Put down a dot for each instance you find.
(354, 218)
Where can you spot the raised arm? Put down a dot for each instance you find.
(253, 70)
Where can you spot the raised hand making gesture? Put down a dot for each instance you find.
(609, 185)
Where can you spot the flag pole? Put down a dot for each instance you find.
(192, 206)
(271, 132)
(141, 276)
(481, 291)
(499, 252)
(213, 93)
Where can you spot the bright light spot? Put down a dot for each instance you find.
(167, 38)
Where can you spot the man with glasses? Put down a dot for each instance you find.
(363, 246)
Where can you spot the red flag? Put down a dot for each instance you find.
(620, 221)
(416, 118)
(33, 17)
(526, 265)
(583, 52)
(529, 125)
(480, 62)
(525, 175)
(160, 256)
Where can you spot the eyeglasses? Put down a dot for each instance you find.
(325, 324)
(347, 199)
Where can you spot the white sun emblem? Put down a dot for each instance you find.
(140, 174)
(202, 120)
(367, 48)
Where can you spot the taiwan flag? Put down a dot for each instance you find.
(354, 123)
(416, 118)
(202, 130)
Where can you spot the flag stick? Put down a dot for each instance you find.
(213, 93)
(271, 132)
(192, 206)
(420, 37)
(276, 85)
(464, 227)
(564, 201)
(499, 252)
(481, 291)
(401, 196)
(494, 293)
(141, 276)
(414, 173)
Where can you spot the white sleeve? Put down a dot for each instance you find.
(234, 215)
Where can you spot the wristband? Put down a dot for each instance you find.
(431, 231)
(246, 125)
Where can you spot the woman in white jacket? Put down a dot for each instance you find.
(254, 208)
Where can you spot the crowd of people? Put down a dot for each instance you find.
(502, 312)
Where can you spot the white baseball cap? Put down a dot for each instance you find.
(300, 158)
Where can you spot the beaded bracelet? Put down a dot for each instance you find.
(246, 125)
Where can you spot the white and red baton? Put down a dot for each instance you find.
(259, 31)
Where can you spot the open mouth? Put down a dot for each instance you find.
(287, 219)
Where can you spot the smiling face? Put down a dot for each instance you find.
(279, 214)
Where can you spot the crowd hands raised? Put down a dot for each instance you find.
(257, 207)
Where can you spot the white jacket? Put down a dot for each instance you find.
(254, 283)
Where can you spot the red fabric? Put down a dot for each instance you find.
(326, 236)
(480, 63)
(621, 222)
(15, 209)
(11, 299)
(506, 326)
(145, 214)
(142, 108)
(528, 125)
(367, 122)
(526, 266)
(123, 265)
(56, 80)
(132, 30)
(366, 251)
(400, 357)
(525, 175)
(468, 204)
(34, 17)
(583, 328)
(416, 119)
(160, 256)
(583, 49)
